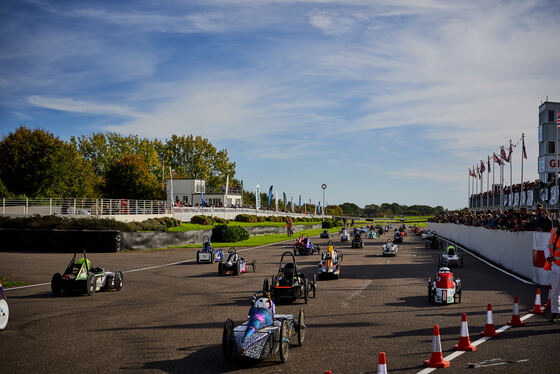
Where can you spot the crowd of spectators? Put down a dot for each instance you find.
(511, 220)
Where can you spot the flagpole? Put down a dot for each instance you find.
(556, 146)
(493, 183)
(469, 189)
(481, 187)
(510, 169)
(488, 187)
(522, 150)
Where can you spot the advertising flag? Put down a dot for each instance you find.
(558, 118)
(524, 149)
(276, 199)
(258, 197)
(227, 190)
(319, 205)
(269, 197)
(292, 202)
(299, 208)
(285, 201)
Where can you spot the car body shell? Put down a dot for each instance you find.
(389, 249)
(444, 288)
(234, 264)
(331, 262)
(208, 255)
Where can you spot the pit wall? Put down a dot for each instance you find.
(519, 252)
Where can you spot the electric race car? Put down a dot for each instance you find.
(389, 249)
(371, 233)
(357, 241)
(264, 333)
(304, 246)
(398, 238)
(325, 234)
(235, 264)
(208, 255)
(4, 309)
(344, 235)
(80, 277)
(444, 288)
(289, 285)
(331, 261)
(450, 258)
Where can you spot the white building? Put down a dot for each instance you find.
(191, 191)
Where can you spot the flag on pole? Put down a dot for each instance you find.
(299, 208)
(510, 150)
(503, 154)
(285, 200)
(319, 205)
(471, 173)
(489, 168)
(269, 197)
(497, 159)
(558, 118)
(276, 199)
(524, 149)
(482, 168)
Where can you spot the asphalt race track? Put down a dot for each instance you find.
(170, 318)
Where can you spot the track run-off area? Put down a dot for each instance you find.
(170, 314)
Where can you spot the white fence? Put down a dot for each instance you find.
(83, 207)
(126, 209)
(520, 252)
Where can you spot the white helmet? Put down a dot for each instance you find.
(263, 302)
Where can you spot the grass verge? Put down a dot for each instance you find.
(8, 284)
(255, 241)
(193, 226)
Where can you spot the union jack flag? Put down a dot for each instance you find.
(482, 168)
(524, 149)
(489, 168)
(503, 155)
(510, 150)
(558, 117)
(497, 159)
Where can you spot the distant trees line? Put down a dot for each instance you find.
(36, 163)
(386, 209)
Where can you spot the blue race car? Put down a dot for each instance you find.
(208, 255)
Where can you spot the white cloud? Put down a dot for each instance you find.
(75, 106)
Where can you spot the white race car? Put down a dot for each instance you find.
(450, 258)
(445, 288)
(390, 249)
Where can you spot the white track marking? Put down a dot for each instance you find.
(149, 267)
(476, 343)
(356, 293)
(488, 263)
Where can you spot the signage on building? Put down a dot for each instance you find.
(547, 164)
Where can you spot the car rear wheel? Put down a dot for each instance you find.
(238, 268)
(198, 257)
(228, 340)
(119, 280)
(220, 268)
(301, 328)
(306, 290)
(90, 285)
(284, 341)
(5, 314)
(56, 284)
(265, 285)
(254, 265)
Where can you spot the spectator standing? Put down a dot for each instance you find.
(552, 264)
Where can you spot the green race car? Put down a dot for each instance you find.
(80, 277)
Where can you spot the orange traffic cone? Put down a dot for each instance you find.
(382, 366)
(436, 359)
(549, 292)
(537, 307)
(328, 372)
(464, 339)
(515, 320)
(489, 328)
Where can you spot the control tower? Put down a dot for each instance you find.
(548, 140)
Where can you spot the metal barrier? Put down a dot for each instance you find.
(83, 207)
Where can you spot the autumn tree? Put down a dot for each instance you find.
(130, 178)
(35, 163)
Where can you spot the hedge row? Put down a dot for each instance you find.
(63, 223)
(330, 223)
(254, 218)
(229, 234)
(207, 220)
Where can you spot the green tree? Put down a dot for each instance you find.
(130, 178)
(35, 163)
(351, 209)
(4, 191)
(334, 210)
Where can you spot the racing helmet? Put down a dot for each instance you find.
(263, 302)
(444, 270)
(450, 250)
(81, 261)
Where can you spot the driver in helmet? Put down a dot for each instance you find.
(261, 313)
(450, 250)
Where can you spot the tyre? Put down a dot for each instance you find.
(295, 252)
(254, 265)
(228, 340)
(301, 328)
(314, 285)
(5, 314)
(118, 281)
(90, 284)
(56, 284)
(306, 290)
(284, 341)
(197, 258)
(220, 268)
(265, 285)
(212, 255)
(238, 268)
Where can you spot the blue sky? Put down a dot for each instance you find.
(384, 101)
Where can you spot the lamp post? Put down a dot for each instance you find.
(324, 187)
